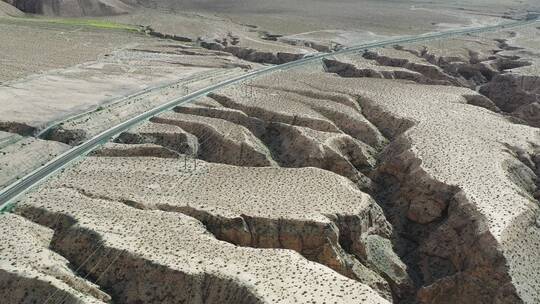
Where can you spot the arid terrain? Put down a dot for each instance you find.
(238, 152)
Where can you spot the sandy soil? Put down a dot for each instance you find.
(383, 17)
(34, 47)
(231, 274)
(55, 96)
(40, 273)
(81, 101)
(434, 124)
(406, 174)
(316, 23)
(463, 240)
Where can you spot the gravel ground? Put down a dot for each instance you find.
(34, 47)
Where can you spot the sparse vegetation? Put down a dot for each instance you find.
(151, 168)
(90, 23)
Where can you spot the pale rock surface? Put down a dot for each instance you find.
(169, 136)
(163, 257)
(30, 272)
(308, 210)
(322, 112)
(221, 140)
(452, 156)
(337, 152)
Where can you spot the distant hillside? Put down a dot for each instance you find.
(71, 8)
(341, 14)
(9, 10)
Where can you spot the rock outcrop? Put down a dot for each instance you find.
(257, 207)
(516, 94)
(168, 136)
(250, 54)
(444, 183)
(295, 147)
(502, 69)
(138, 260)
(31, 272)
(134, 150)
(357, 68)
(326, 112)
(220, 140)
(17, 127)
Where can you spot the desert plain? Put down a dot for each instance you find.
(404, 173)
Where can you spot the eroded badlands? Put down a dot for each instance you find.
(398, 175)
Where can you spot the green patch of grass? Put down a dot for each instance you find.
(92, 23)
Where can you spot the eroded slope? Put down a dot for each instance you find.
(448, 177)
(501, 66)
(30, 272)
(451, 215)
(168, 257)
